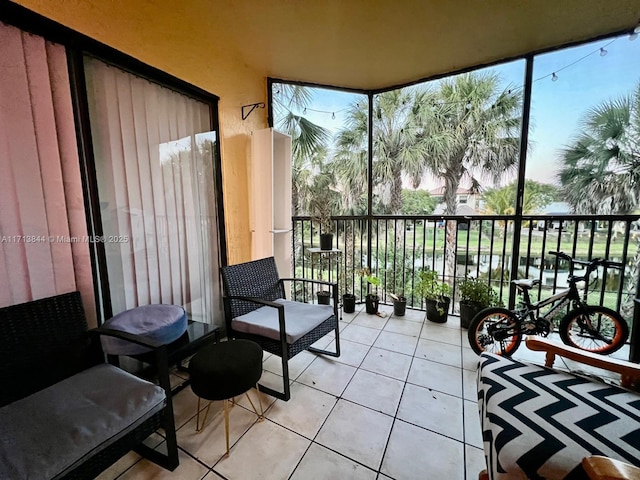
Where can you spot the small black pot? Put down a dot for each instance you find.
(399, 306)
(324, 297)
(468, 310)
(438, 311)
(371, 303)
(326, 241)
(349, 303)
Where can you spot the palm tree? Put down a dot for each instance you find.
(472, 131)
(397, 149)
(601, 166)
(309, 140)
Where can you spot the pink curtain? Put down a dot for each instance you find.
(155, 169)
(43, 234)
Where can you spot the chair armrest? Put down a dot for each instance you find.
(604, 468)
(309, 280)
(160, 352)
(260, 301)
(629, 371)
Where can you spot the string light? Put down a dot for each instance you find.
(602, 51)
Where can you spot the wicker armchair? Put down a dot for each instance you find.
(44, 348)
(256, 309)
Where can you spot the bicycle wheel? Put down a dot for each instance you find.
(595, 329)
(495, 330)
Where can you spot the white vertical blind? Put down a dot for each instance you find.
(155, 168)
(43, 236)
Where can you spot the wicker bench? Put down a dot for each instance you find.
(64, 412)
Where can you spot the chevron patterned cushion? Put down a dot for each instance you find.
(539, 423)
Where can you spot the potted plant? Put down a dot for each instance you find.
(372, 300)
(399, 304)
(320, 206)
(475, 295)
(348, 299)
(435, 293)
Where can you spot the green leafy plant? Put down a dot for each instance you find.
(430, 287)
(474, 290)
(370, 278)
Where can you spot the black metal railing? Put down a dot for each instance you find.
(396, 248)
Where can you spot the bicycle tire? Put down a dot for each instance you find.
(616, 330)
(479, 339)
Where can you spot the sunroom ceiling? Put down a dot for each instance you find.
(370, 44)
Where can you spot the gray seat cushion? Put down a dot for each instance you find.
(49, 432)
(300, 318)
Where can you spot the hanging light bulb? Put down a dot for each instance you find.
(333, 116)
(603, 52)
(635, 33)
(468, 106)
(554, 77)
(304, 112)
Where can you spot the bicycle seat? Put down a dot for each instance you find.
(526, 283)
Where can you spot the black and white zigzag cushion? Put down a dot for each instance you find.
(539, 423)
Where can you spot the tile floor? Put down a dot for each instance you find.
(399, 403)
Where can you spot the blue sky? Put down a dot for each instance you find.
(585, 79)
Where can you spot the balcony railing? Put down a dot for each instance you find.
(496, 248)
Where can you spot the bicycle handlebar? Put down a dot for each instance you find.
(591, 264)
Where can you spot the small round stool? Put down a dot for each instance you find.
(161, 322)
(221, 371)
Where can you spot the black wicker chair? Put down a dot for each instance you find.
(256, 309)
(46, 341)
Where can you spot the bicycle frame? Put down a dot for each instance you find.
(561, 299)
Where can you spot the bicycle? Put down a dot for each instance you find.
(594, 328)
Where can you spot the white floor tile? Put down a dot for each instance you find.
(475, 462)
(442, 334)
(387, 363)
(327, 375)
(472, 428)
(356, 432)
(371, 321)
(399, 325)
(267, 452)
(296, 364)
(375, 391)
(470, 385)
(469, 359)
(209, 445)
(351, 353)
(414, 452)
(360, 334)
(305, 412)
(320, 463)
(439, 352)
(414, 315)
(397, 342)
(444, 378)
(189, 469)
(433, 410)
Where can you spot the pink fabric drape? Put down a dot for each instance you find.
(154, 164)
(41, 199)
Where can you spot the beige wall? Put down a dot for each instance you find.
(159, 33)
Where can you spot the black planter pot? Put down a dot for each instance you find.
(468, 310)
(349, 303)
(326, 241)
(399, 306)
(371, 304)
(438, 311)
(324, 297)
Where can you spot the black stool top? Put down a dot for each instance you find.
(227, 369)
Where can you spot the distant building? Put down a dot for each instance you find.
(464, 197)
